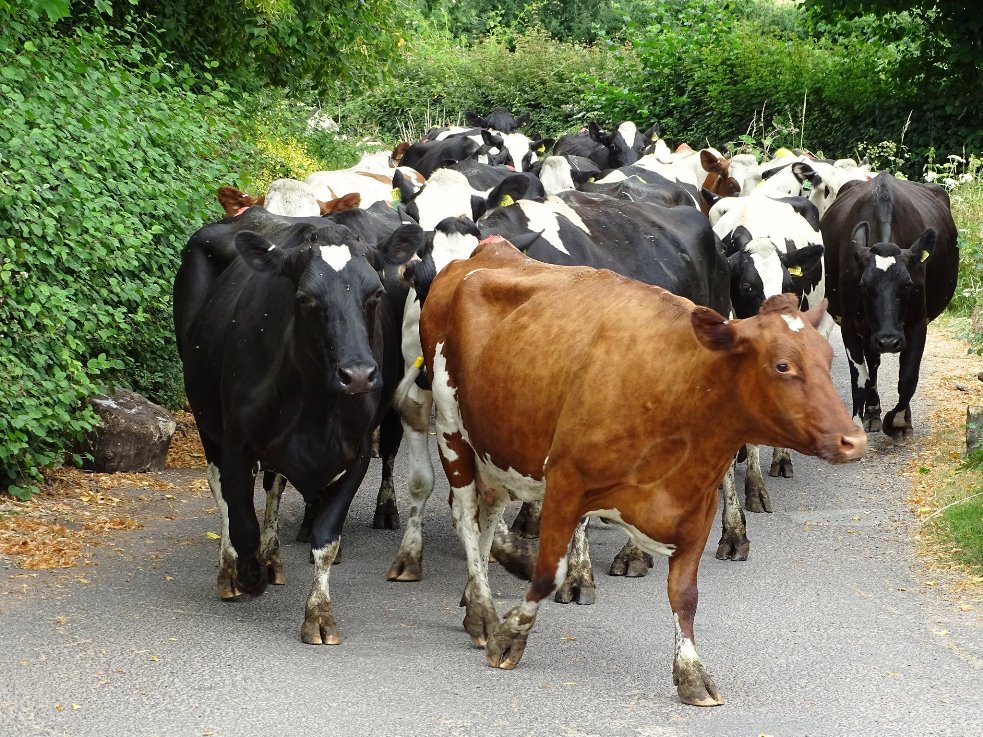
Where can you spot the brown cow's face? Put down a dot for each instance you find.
(786, 387)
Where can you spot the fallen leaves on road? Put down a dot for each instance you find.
(185, 450)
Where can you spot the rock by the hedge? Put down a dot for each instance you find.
(133, 436)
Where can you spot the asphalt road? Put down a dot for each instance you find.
(825, 631)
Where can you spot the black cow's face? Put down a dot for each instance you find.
(889, 276)
(338, 295)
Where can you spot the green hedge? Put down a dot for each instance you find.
(109, 158)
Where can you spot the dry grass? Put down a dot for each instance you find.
(948, 384)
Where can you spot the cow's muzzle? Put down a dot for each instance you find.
(844, 448)
(358, 378)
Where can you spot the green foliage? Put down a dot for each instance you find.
(110, 155)
(965, 525)
(438, 80)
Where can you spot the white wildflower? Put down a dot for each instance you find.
(931, 176)
(949, 182)
(957, 159)
(965, 177)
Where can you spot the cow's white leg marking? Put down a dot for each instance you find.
(733, 540)
(688, 672)
(269, 541)
(415, 416)
(480, 616)
(756, 497)
(319, 626)
(226, 553)
(577, 584)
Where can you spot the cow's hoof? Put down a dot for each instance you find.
(756, 499)
(872, 423)
(274, 569)
(386, 517)
(897, 425)
(781, 467)
(505, 647)
(733, 546)
(631, 562)
(251, 576)
(227, 589)
(526, 523)
(319, 627)
(578, 587)
(694, 685)
(479, 622)
(406, 567)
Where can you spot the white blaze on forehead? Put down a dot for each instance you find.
(336, 256)
(555, 175)
(884, 262)
(291, 197)
(795, 324)
(640, 539)
(450, 246)
(764, 256)
(518, 145)
(628, 131)
(446, 194)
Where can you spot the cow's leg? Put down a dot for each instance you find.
(781, 463)
(631, 561)
(853, 344)
(319, 627)
(390, 434)
(872, 401)
(733, 544)
(526, 522)
(897, 422)
(514, 553)
(239, 570)
(579, 582)
(269, 540)
(756, 497)
(415, 413)
(508, 639)
(693, 683)
(304, 531)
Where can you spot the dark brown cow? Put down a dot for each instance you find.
(891, 268)
(619, 400)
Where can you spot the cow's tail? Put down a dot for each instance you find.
(409, 379)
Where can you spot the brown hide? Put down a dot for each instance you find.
(233, 200)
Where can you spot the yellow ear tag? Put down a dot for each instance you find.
(506, 201)
(541, 149)
(924, 256)
(783, 153)
(418, 363)
(396, 195)
(591, 179)
(795, 270)
(654, 139)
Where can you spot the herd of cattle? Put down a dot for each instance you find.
(601, 323)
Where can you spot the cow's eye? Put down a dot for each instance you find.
(781, 367)
(306, 301)
(746, 288)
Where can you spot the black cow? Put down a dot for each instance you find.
(500, 119)
(892, 262)
(426, 156)
(291, 354)
(643, 186)
(486, 177)
(608, 149)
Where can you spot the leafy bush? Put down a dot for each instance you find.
(110, 155)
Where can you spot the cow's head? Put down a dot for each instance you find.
(759, 269)
(782, 365)
(499, 119)
(338, 292)
(448, 194)
(889, 275)
(625, 144)
(718, 179)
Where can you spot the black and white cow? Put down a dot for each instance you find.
(428, 155)
(772, 247)
(500, 119)
(290, 354)
(484, 177)
(639, 184)
(892, 261)
(563, 172)
(608, 149)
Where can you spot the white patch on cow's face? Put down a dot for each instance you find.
(795, 324)
(448, 247)
(884, 262)
(336, 256)
(447, 194)
(628, 131)
(292, 198)
(518, 145)
(555, 175)
(641, 540)
(764, 256)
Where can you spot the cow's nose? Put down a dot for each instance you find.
(888, 344)
(357, 378)
(852, 447)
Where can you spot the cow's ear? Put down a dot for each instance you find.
(341, 204)
(542, 146)
(859, 240)
(736, 240)
(475, 120)
(805, 173)
(581, 177)
(596, 134)
(397, 155)
(802, 260)
(712, 330)
(652, 134)
(524, 242)
(816, 314)
(922, 249)
(710, 162)
(232, 200)
(479, 205)
(711, 198)
(805, 208)
(262, 255)
(522, 120)
(402, 189)
(401, 245)
(510, 189)
(490, 139)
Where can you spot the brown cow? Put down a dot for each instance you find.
(285, 197)
(606, 397)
